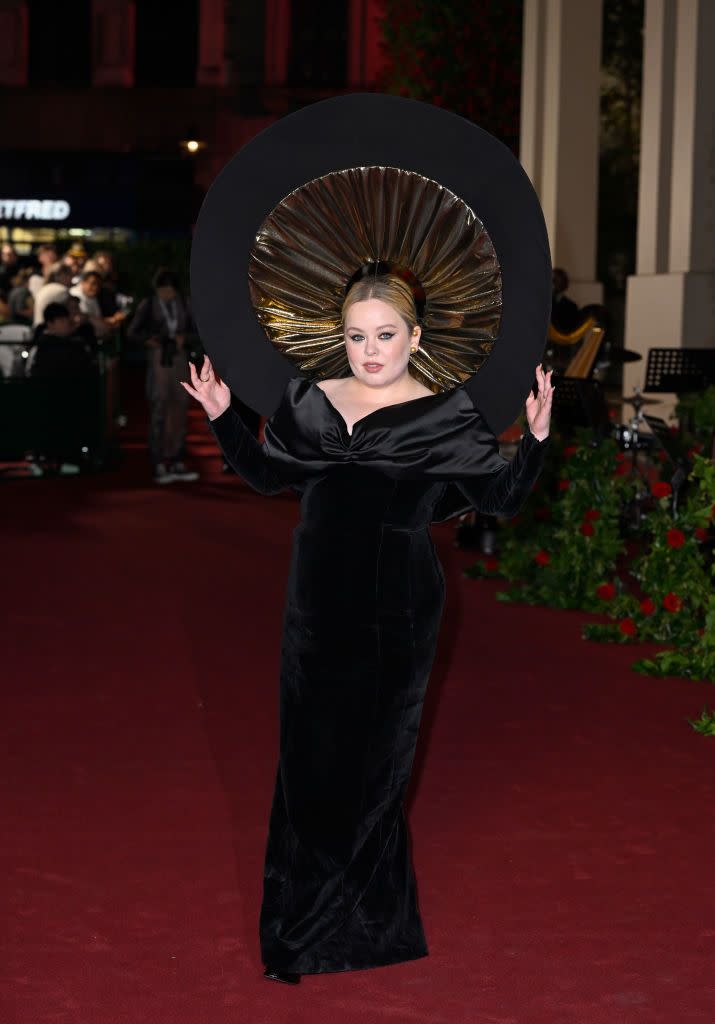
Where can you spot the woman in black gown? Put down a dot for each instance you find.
(375, 457)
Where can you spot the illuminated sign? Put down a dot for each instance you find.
(34, 209)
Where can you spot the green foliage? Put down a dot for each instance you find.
(622, 73)
(705, 725)
(694, 661)
(608, 632)
(674, 576)
(565, 549)
(459, 55)
(570, 541)
(620, 103)
(667, 568)
(697, 411)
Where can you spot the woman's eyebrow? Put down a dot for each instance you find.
(351, 328)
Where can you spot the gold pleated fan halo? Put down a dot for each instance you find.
(328, 232)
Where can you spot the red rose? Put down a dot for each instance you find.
(627, 627)
(591, 515)
(675, 538)
(701, 533)
(606, 591)
(491, 564)
(587, 529)
(661, 489)
(542, 557)
(672, 603)
(622, 469)
(564, 485)
(647, 606)
(662, 456)
(621, 457)
(570, 450)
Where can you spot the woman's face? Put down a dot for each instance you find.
(378, 342)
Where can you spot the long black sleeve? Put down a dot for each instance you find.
(503, 485)
(244, 453)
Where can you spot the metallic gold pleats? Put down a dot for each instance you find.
(320, 236)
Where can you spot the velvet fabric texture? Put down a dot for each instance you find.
(363, 606)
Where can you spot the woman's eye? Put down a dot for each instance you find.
(385, 336)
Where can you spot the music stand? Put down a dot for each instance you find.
(580, 402)
(679, 370)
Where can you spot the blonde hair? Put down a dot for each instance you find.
(390, 289)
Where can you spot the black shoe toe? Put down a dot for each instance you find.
(287, 977)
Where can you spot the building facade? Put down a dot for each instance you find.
(103, 100)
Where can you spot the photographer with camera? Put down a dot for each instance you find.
(162, 323)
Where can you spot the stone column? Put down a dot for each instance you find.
(278, 28)
(113, 36)
(670, 300)
(560, 126)
(212, 68)
(14, 34)
(365, 59)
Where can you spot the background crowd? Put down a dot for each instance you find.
(67, 308)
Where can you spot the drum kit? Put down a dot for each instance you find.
(629, 436)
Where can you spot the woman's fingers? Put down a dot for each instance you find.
(539, 381)
(206, 373)
(207, 370)
(541, 401)
(195, 378)
(194, 394)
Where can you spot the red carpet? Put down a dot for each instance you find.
(562, 812)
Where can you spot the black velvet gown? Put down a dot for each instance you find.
(363, 606)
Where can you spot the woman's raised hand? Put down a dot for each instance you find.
(208, 389)
(538, 408)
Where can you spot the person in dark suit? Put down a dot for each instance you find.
(60, 352)
(162, 323)
(66, 385)
(565, 314)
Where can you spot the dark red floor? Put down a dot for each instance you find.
(562, 812)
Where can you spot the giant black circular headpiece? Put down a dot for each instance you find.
(362, 182)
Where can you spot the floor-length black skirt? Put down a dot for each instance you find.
(364, 603)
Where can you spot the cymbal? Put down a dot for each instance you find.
(622, 355)
(636, 400)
